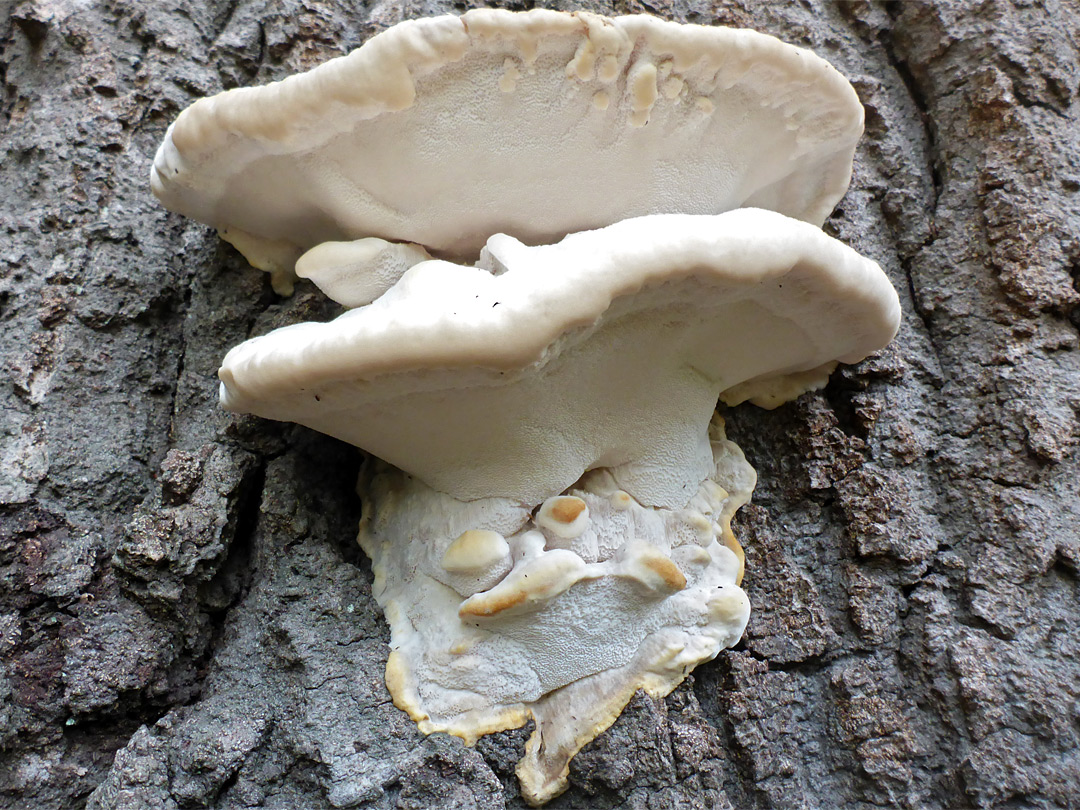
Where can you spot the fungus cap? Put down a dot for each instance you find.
(608, 349)
(444, 131)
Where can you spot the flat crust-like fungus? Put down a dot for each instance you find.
(444, 131)
(566, 637)
(554, 532)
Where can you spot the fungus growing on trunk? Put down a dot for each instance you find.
(549, 512)
(555, 534)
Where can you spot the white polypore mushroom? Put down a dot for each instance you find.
(560, 535)
(564, 536)
(442, 132)
(561, 640)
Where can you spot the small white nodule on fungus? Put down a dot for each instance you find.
(356, 273)
(625, 217)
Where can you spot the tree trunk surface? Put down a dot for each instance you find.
(185, 620)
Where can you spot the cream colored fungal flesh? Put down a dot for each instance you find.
(356, 273)
(437, 131)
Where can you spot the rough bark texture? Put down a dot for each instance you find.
(185, 621)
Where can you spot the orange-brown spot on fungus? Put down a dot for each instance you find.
(491, 606)
(667, 571)
(566, 510)
(729, 540)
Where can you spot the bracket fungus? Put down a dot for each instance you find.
(624, 215)
(444, 131)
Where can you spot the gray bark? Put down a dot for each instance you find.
(185, 621)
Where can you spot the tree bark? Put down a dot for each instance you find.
(185, 620)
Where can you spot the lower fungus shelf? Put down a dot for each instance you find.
(497, 615)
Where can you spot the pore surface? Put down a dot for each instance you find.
(595, 597)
